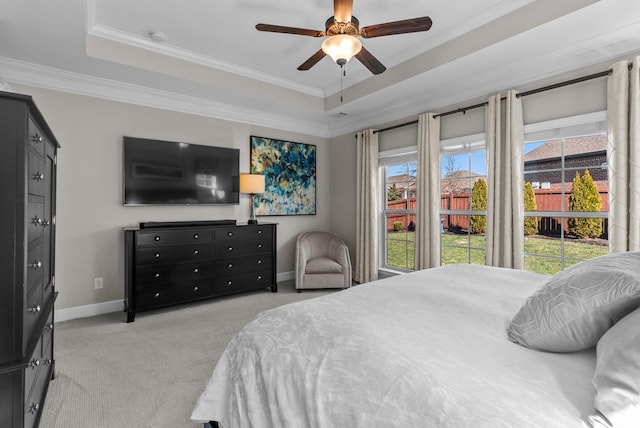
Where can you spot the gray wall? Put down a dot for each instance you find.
(90, 215)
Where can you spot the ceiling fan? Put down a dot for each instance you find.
(342, 31)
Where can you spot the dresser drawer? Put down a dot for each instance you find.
(35, 266)
(35, 218)
(32, 311)
(169, 293)
(150, 275)
(31, 372)
(35, 175)
(36, 138)
(163, 254)
(236, 265)
(244, 232)
(245, 281)
(238, 246)
(33, 404)
(173, 237)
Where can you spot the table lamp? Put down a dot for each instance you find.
(252, 184)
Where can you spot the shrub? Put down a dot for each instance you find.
(478, 223)
(398, 226)
(530, 223)
(585, 198)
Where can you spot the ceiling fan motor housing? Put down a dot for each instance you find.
(333, 27)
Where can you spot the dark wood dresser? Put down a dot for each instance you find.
(27, 254)
(171, 263)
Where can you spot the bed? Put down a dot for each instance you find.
(423, 349)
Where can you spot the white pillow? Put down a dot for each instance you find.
(576, 306)
(617, 374)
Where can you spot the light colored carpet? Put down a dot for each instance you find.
(148, 373)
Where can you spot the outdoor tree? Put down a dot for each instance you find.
(530, 223)
(450, 164)
(478, 223)
(585, 198)
(393, 193)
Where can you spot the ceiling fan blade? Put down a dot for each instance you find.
(397, 27)
(370, 61)
(342, 10)
(312, 61)
(289, 30)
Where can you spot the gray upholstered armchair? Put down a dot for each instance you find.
(322, 261)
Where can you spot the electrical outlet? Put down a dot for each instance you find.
(98, 283)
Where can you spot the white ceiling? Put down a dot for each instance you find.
(215, 63)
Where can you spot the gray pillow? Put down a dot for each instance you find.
(617, 375)
(576, 306)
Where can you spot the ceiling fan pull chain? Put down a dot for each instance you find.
(343, 72)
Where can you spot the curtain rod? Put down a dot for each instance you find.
(521, 94)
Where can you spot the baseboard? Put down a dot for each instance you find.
(285, 276)
(88, 310)
(118, 305)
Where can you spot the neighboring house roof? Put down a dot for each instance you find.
(573, 146)
(403, 181)
(459, 181)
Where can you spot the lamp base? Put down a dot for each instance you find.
(251, 221)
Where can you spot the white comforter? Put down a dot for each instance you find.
(425, 349)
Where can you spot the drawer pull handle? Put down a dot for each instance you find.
(34, 363)
(49, 327)
(229, 248)
(157, 275)
(259, 278)
(230, 265)
(36, 264)
(38, 176)
(259, 231)
(196, 236)
(46, 223)
(156, 238)
(37, 138)
(157, 255)
(196, 288)
(35, 309)
(229, 233)
(33, 408)
(229, 282)
(196, 270)
(196, 252)
(259, 245)
(156, 295)
(259, 262)
(36, 220)
(48, 362)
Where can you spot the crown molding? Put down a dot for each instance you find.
(98, 30)
(60, 80)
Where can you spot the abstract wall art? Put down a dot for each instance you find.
(290, 176)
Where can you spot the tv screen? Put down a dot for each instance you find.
(169, 173)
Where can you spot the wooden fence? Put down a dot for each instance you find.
(546, 200)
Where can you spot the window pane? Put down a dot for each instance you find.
(565, 176)
(400, 242)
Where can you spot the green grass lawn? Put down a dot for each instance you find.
(455, 250)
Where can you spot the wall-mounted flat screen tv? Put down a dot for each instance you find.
(169, 173)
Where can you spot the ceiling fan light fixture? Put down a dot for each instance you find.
(341, 48)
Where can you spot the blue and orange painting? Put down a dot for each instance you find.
(290, 176)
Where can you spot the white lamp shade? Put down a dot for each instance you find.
(251, 183)
(341, 47)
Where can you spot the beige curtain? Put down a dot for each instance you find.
(367, 207)
(505, 182)
(623, 156)
(427, 240)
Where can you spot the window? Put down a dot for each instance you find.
(463, 194)
(566, 209)
(398, 175)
